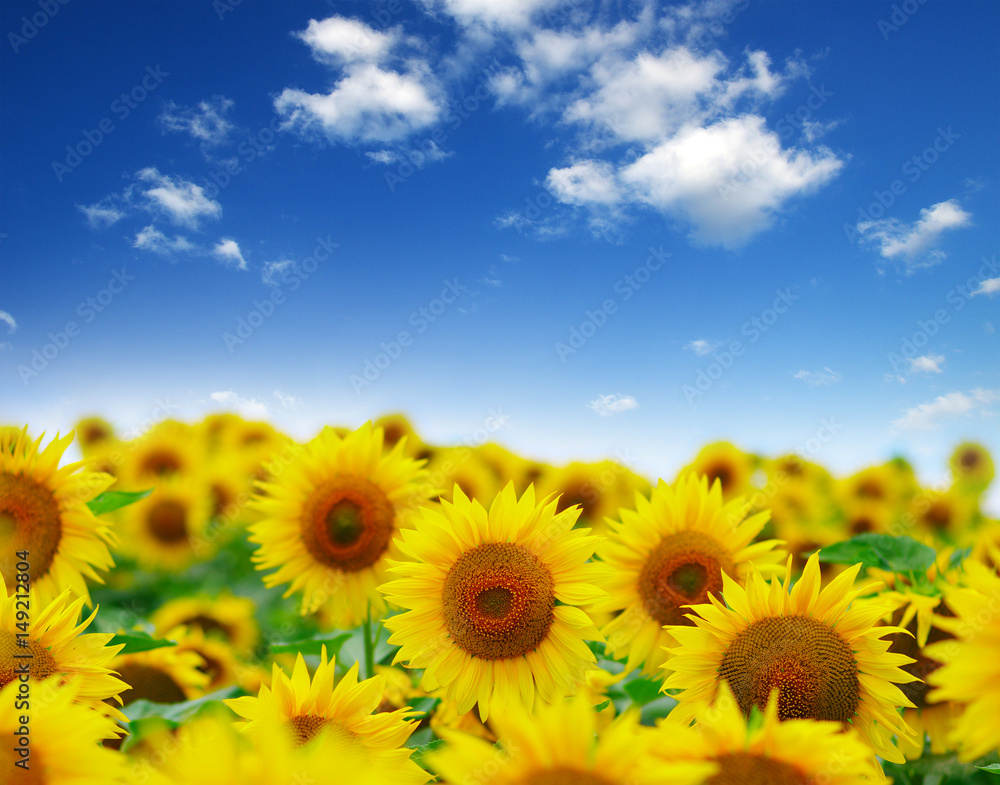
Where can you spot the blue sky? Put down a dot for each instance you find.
(627, 231)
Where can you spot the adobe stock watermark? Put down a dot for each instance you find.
(914, 168)
(292, 276)
(31, 25)
(957, 297)
(900, 15)
(595, 319)
(752, 329)
(121, 107)
(42, 357)
(421, 319)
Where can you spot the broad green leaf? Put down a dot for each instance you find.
(137, 641)
(897, 554)
(993, 768)
(312, 646)
(115, 500)
(177, 712)
(643, 691)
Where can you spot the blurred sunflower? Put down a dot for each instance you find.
(59, 648)
(972, 468)
(559, 745)
(396, 427)
(43, 510)
(163, 675)
(482, 591)
(865, 516)
(93, 432)
(883, 485)
(64, 741)
(820, 652)
(224, 616)
(166, 530)
(462, 466)
(767, 751)
(330, 518)
(946, 517)
(169, 448)
(599, 489)
(669, 553)
(343, 711)
(219, 661)
(724, 462)
(970, 674)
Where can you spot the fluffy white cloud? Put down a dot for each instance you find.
(928, 363)
(989, 286)
(915, 243)
(248, 407)
(585, 183)
(9, 320)
(701, 347)
(818, 378)
(606, 405)
(228, 251)
(102, 214)
(927, 415)
(183, 202)
(339, 41)
(504, 14)
(152, 239)
(206, 122)
(727, 180)
(273, 271)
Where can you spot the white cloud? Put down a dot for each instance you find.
(915, 243)
(339, 41)
(503, 14)
(9, 320)
(701, 347)
(929, 363)
(585, 183)
(927, 415)
(152, 239)
(818, 378)
(287, 401)
(206, 122)
(384, 156)
(183, 202)
(272, 271)
(606, 405)
(249, 407)
(228, 250)
(102, 214)
(989, 286)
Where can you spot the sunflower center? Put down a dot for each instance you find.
(347, 523)
(305, 727)
(94, 432)
(682, 570)
(916, 691)
(563, 775)
(149, 683)
(938, 515)
(742, 768)
(498, 601)
(810, 665)
(721, 472)
(583, 496)
(862, 525)
(969, 459)
(160, 463)
(167, 521)
(29, 521)
(209, 625)
(41, 664)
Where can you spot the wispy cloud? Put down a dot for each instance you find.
(272, 271)
(228, 250)
(250, 407)
(287, 401)
(927, 415)
(180, 200)
(7, 319)
(152, 239)
(606, 405)
(205, 122)
(928, 363)
(989, 286)
(103, 214)
(701, 346)
(818, 378)
(915, 244)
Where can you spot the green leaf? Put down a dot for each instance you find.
(146, 717)
(138, 641)
(643, 691)
(897, 554)
(602, 706)
(115, 500)
(423, 749)
(958, 556)
(312, 646)
(993, 768)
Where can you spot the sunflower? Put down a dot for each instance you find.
(62, 747)
(885, 484)
(462, 466)
(726, 463)
(44, 514)
(166, 530)
(559, 745)
(822, 654)
(164, 675)
(768, 751)
(972, 467)
(224, 616)
(481, 590)
(600, 489)
(671, 552)
(970, 674)
(946, 517)
(864, 516)
(329, 521)
(169, 448)
(93, 432)
(219, 661)
(397, 427)
(343, 711)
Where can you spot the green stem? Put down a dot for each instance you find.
(369, 645)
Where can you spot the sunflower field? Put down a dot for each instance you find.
(216, 603)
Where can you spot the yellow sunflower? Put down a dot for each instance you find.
(482, 592)
(61, 746)
(462, 466)
(169, 448)
(947, 517)
(57, 647)
(342, 710)
(819, 649)
(163, 675)
(599, 489)
(972, 467)
(560, 745)
(224, 616)
(767, 752)
(219, 661)
(669, 553)
(93, 432)
(970, 674)
(329, 521)
(44, 519)
(726, 463)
